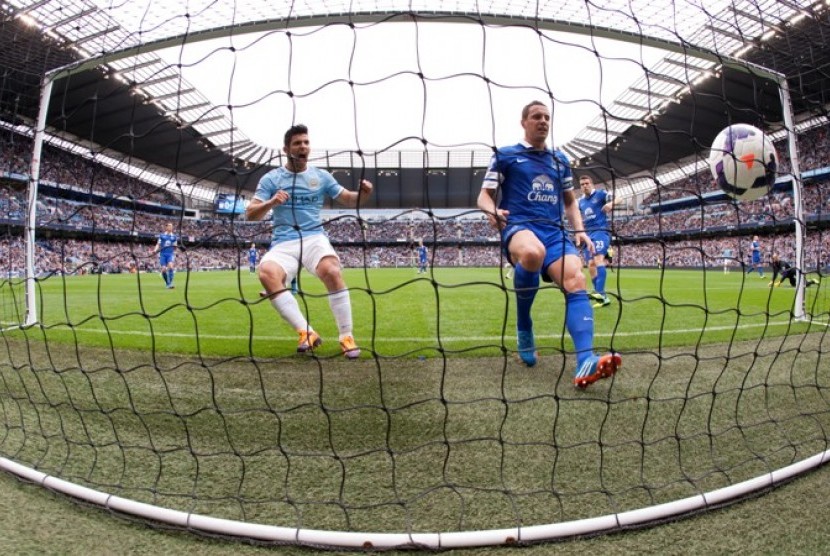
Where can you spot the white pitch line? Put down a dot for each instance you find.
(443, 338)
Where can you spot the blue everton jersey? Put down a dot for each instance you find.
(532, 183)
(167, 243)
(252, 255)
(300, 215)
(593, 217)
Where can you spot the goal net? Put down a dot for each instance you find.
(144, 369)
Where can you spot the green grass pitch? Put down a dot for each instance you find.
(165, 396)
(398, 312)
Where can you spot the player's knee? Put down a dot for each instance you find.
(531, 258)
(573, 282)
(329, 272)
(271, 274)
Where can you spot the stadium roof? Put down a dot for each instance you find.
(144, 109)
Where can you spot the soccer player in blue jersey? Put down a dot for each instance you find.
(536, 192)
(755, 262)
(422, 257)
(252, 258)
(294, 194)
(595, 205)
(166, 248)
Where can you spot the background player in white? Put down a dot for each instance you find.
(595, 206)
(727, 259)
(295, 194)
(166, 248)
(536, 189)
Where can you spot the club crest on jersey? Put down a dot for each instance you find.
(543, 190)
(313, 183)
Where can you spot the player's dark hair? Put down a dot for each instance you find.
(298, 129)
(526, 109)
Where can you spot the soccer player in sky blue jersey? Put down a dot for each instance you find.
(536, 188)
(595, 205)
(294, 194)
(166, 248)
(755, 262)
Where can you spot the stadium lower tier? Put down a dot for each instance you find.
(58, 255)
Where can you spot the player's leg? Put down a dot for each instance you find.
(592, 271)
(579, 320)
(274, 269)
(527, 254)
(319, 255)
(171, 272)
(163, 267)
(599, 283)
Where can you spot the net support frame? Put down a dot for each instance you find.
(432, 540)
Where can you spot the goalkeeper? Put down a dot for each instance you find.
(783, 270)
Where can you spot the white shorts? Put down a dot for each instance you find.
(308, 250)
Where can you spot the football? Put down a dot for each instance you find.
(743, 161)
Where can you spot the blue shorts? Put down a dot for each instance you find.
(166, 259)
(556, 241)
(602, 241)
(756, 257)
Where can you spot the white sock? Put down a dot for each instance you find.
(288, 308)
(341, 306)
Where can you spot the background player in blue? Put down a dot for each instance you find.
(295, 194)
(755, 262)
(252, 258)
(166, 248)
(595, 205)
(536, 190)
(422, 256)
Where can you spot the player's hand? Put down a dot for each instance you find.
(607, 208)
(366, 187)
(498, 219)
(581, 239)
(279, 198)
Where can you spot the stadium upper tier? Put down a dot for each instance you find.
(107, 53)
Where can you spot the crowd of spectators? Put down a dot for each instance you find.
(120, 238)
(62, 169)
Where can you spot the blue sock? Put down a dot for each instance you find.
(170, 274)
(602, 274)
(594, 281)
(579, 319)
(527, 284)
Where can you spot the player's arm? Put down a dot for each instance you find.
(609, 206)
(487, 203)
(258, 208)
(575, 218)
(352, 199)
